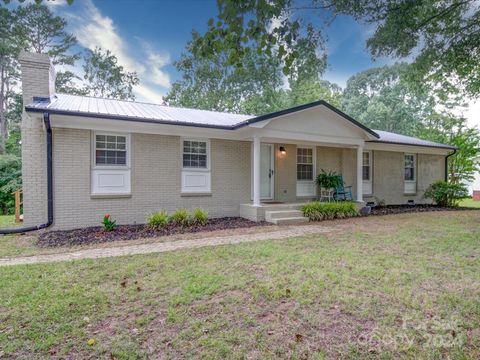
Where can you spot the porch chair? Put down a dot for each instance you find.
(342, 192)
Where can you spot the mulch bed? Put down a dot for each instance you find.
(401, 209)
(96, 234)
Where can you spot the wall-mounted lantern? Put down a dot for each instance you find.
(282, 150)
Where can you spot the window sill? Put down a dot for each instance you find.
(110, 196)
(194, 194)
(410, 194)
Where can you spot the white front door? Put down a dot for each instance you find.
(266, 171)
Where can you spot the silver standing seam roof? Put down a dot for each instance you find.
(155, 113)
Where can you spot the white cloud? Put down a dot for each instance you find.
(93, 29)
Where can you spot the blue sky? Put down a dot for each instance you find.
(147, 36)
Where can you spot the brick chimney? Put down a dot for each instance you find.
(38, 81)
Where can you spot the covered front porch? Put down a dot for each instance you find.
(283, 174)
(289, 149)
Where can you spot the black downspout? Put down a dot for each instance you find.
(446, 163)
(46, 120)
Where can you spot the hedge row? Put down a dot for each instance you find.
(317, 211)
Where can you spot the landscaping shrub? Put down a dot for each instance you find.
(200, 216)
(328, 180)
(181, 217)
(317, 211)
(108, 224)
(446, 194)
(158, 219)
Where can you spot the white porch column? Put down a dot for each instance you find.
(256, 171)
(359, 173)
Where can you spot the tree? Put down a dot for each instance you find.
(10, 181)
(67, 82)
(45, 33)
(257, 85)
(449, 129)
(442, 36)
(11, 42)
(380, 99)
(105, 78)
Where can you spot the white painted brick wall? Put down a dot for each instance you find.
(155, 175)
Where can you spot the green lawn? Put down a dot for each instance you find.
(7, 221)
(470, 203)
(378, 287)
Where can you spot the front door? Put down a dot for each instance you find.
(266, 171)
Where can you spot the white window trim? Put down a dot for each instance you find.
(368, 184)
(94, 148)
(414, 167)
(300, 184)
(369, 152)
(314, 162)
(410, 186)
(199, 173)
(205, 140)
(112, 171)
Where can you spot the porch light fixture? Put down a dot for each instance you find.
(282, 150)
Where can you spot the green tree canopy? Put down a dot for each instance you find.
(443, 37)
(105, 78)
(451, 129)
(380, 99)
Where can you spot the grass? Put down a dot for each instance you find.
(470, 203)
(7, 221)
(380, 287)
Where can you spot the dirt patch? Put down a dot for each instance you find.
(96, 234)
(402, 209)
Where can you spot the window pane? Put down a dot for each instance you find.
(366, 173)
(115, 153)
(366, 158)
(194, 154)
(409, 174)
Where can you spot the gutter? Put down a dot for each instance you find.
(46, 121)
(446, 163)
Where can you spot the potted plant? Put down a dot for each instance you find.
(328, 182)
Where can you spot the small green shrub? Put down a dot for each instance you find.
(317, 211)
(446, 194)
(181, 217)
(200, 216)
(108, 224)
(158, 219)
(328, 180)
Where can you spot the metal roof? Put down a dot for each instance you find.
(75, 105)
(392, 138)
(130, 110)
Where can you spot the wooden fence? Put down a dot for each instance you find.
(18, 205)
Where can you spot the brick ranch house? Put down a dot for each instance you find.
(97, 156)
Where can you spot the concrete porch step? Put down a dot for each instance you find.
(289, 221)
(285, 217)
(278, 214)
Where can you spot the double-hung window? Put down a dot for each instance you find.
(196, 174)
(110, 163)
(305, 164)
(305, 172)
(410, 163)
(195, 154)
(367, 172)
(110, 150)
